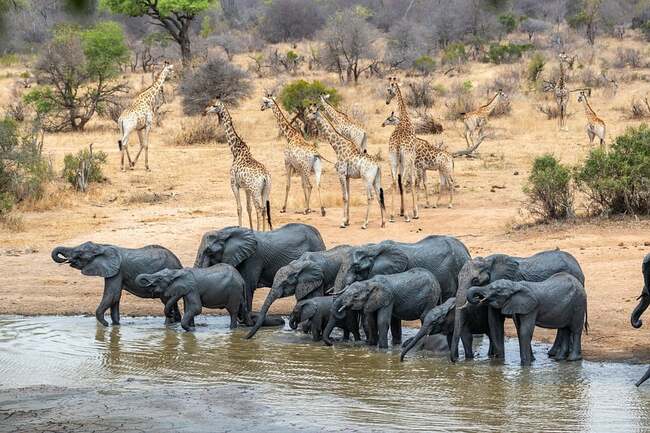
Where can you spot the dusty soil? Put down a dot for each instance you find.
(187, 193)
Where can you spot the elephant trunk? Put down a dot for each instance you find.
(464, 282)
(424, 331)
(61, 254)
(644, 378)
(643, 304)
(329, 328)
(270, 298)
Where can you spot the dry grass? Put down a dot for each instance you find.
(198, 131)
(12, 222)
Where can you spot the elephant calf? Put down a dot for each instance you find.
(219, 286)
(559, 302)
(119, 267)
(313, 314)
(386, 300)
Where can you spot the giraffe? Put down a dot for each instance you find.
(560, 90)
(139, 117)
(595, 125)
(246, 172)
(475, 120)
(431, 157)
(401, 152)
(345, 125)
(300, 157)
(351, 163)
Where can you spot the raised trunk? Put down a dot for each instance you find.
(58, 252)
(424, 331)
(643, 304)
(272, 296)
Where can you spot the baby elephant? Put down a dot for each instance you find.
(312, 316)
(386, 300)
(559, 302)
(219, 286)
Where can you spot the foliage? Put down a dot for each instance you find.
(454, 54)
(536, 67)
(216, 78)
(93, 162)
(24, 171)
(460, 100)
(424, 65)
(289, 20)
(508, 22)
(296, 96)
(506, 53)
(619, 181)
(549, 191)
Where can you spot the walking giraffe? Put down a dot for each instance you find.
(431, 157)
(401, 152)
(474, 121)
(595, 125)
(351, 163)
(344, 124)
(245, 172)
(139, 117)
(300, 156)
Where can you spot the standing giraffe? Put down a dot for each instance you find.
(595, 125)
(246, 172)
(300, 156)
(139, 117)
(401, 152)
(560, 89)
(345, 125)
(431, 157)
(351, 163)
(474, 121)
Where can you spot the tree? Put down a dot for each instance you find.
(587, 18)
(175, 16)
(298, 95)
(77, 68)
(287, 20)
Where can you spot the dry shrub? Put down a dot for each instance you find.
(551, 110)
(425, 123)
(145, 197)
(199, 131)
(460, 100)
(638, 108)
(12, 222)
(627, 57)
(357, 113)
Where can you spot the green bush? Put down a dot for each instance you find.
(508, 22)
(296, 96)
(424, 65)
(454, 54)
(535, 67)
(24, 172)
(619, 181)
(10, 59)
(94, 162)
(549, 191)
(506, 53)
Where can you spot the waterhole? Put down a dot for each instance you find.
(70, 372)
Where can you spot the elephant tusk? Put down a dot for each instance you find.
(464, 305)
(341, 309)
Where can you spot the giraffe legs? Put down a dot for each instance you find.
(125, 149)
(141, 139)
(423, 180)
(380, 197)
(249, 210)
(394, 170)
(346, 197)
(289, 171)
(306, 189)
(235, 191)
(413, 194)
(317, 174)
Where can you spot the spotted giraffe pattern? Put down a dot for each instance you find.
(401, 152)
(595, 125)
(431, 157)
(345, 125)
(351, 163)
(245, 172)
(139, 117)
(475, 120)
(300, 157)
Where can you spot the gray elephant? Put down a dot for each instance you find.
(559, 302)
(481, 271)
(644, 301)
(119, 267)
(312, 316)
(257, 255)
(386, 300)
(310, 275)
(440, 320)
(219, 286)
(443, 256)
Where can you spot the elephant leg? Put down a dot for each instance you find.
(553, 351)
(496, 332)
(194, 307)
(371, 336)
(562, 341)
(575, 339)
(383, 323)
(115, 313)
(233, 311)
(525, 328)
(467, 339)
(111, 296)
(346, 334)
(172, 314)
(396, 331)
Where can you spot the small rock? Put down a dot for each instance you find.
(646, 244)
(620, 244)
(516, 173)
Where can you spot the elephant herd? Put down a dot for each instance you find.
(371, 287)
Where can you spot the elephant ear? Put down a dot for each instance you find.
(646, 273)
(181, 283)
(201, 256)
(106, 263)
(240, 244)
(310, 278)
(503, 268)
(308, 310)
(388, 259)
(520, 302)
(377, 298)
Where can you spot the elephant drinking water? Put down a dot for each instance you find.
(644, 302)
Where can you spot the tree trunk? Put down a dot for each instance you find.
(186, 52)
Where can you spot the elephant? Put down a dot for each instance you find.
(560, 302)
(440, 320)
(443, 256)
(310, 275)
(257, 255)
(219, 286)
(484, 270)
(386, 300)
(644, 301)
(313, 315)
(119, 267)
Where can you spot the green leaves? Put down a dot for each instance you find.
(298, 95)
(136, 8)
(104, 48)
(549, 191)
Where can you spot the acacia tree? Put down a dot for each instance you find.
(175, 16)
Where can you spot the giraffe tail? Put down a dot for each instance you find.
(399, 184)
(382, 203)
(268, 214)
(119, 144)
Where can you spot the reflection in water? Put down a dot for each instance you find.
(348, 384)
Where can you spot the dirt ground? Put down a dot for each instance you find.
(187, 193)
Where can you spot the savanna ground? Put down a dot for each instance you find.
(187, 193)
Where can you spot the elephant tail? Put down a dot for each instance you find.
(268, 214)
(586, 321)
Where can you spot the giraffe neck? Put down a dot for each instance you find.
(404, 125)
(588, 110)
(490, 106)
(149, 95)
(337, 142)
(331, 111)
(561, 83)
(286, 128)
(235, 143)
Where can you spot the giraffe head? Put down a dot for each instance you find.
(215, 106)
(267, 102)
(583, 94)
(391, 90)
(311, 113)
(391, 120)
(167, 71)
